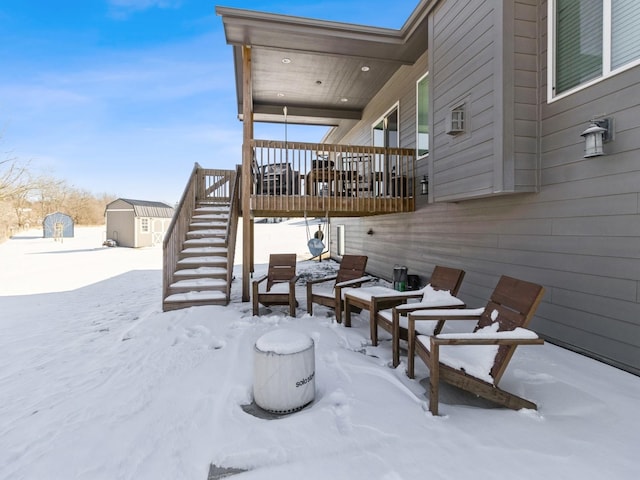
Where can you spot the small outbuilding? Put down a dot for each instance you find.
(137, 223)
(57, 225)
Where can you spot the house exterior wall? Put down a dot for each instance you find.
(575, 228)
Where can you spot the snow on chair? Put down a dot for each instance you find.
(476, 361)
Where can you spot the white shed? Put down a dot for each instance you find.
(137, 223)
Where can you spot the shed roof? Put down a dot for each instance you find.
(146, 208)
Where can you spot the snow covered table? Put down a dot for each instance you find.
(283, 371)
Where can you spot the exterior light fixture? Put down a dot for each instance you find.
(344, 99)
(286, 60)
(365, 68)
(595, 136)
(424, 185)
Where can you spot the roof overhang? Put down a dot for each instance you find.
(324, 72)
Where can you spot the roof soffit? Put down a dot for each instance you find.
(323, 84)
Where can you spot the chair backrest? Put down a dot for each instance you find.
(515, 302)
(445, 278)
(351, 267)
(282, 268)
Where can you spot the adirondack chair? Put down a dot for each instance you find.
(440, 293)
(350, 274)
(377, 299)
(280, 283)
(476, 361)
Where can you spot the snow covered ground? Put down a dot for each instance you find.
(96, 382)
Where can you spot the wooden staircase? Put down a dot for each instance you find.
(198, 263)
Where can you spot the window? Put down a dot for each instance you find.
(591, 39)
(144, 225)
(422, 114)
(456, 120)
(385, 130)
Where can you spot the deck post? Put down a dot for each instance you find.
(247, 136)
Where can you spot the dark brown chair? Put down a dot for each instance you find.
(394, 320)
(281, 282)
(501, 327)
(350, 274)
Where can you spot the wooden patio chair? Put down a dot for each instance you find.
(377, 299)
(476, 361)
(394, 320)
(280, 283)
(350, 274)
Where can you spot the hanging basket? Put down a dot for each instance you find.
(316, 247)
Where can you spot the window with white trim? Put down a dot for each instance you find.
(590, 40)
(144, 225)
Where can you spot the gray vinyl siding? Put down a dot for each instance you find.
(474, 43)
(579, 235)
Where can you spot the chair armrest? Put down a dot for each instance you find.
(447, 314)
(355, 281)
(517, 336)
(320, 280)
(260, 279)
(294, 279)
(407, 308)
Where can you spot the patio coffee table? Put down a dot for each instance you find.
(378, 298)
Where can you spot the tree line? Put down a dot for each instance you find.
(26, 198)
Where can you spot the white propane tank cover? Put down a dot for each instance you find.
(283, 371)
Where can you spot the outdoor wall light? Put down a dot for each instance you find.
(595, 136)
(424, 185)
(370, 231)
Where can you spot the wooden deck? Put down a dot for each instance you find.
(299, 206)
(296, 179)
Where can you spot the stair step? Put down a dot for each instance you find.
(211, 217)
(200, 272)
(194, 299)
(203, 251)
(197, 284)
(202, 261)
(207, 232)
(212, 209)
(204, 242)
(208, 225)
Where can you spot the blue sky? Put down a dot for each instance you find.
(123, 96)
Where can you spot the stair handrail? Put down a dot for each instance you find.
(232, 226)
(172, 244)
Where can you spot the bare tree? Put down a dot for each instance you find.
(12, 175)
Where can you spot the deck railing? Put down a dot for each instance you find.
(177, 231)
(232, 226)
(293, 177)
